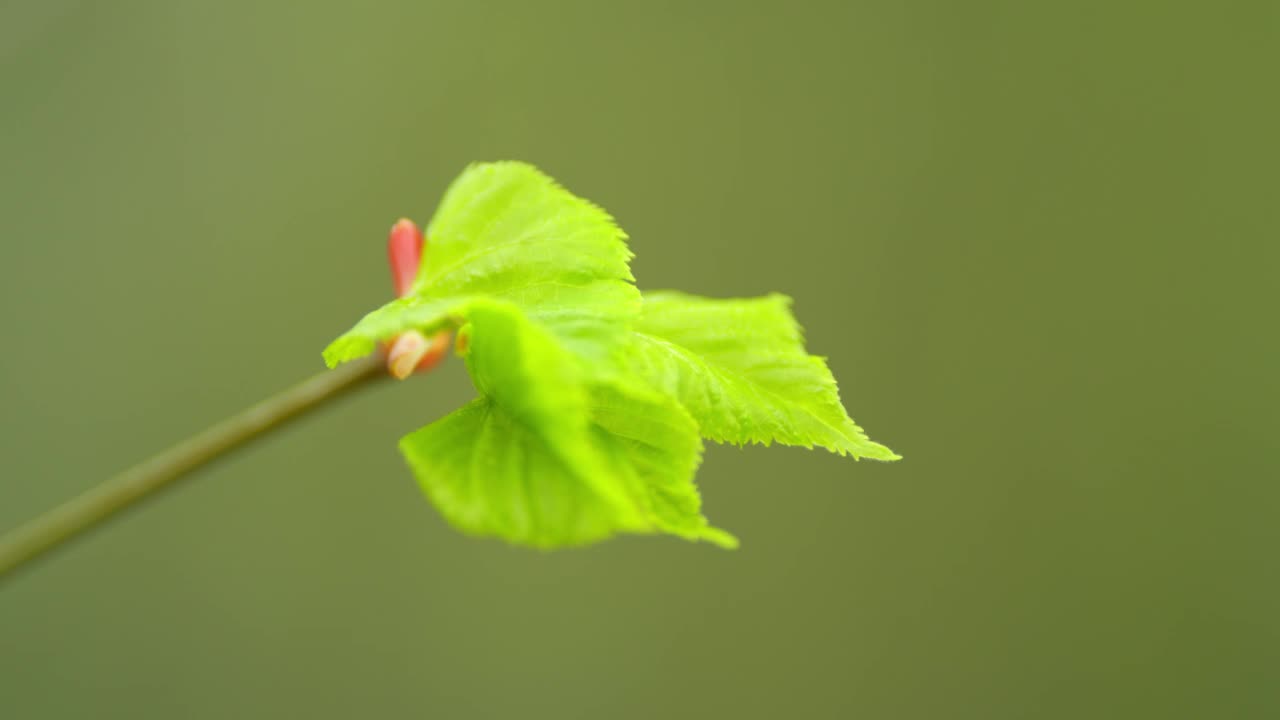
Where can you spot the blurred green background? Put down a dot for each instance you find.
(1037, 241)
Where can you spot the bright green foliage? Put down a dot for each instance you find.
(491, 475)
(505, 230)
(740, 368)
(592, 403)
(546, 458)
(521, 461)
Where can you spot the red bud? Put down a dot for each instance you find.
(404, 250)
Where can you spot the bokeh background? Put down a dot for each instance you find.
(1037, 241)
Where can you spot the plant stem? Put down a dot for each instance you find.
(94, 506)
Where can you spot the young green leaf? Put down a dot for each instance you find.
(507, 231)
(490, 475)
(542, 459)
(741, 369)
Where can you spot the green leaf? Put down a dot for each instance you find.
(526, 372)
(505, 230)
(541, 459)
(489, 474)
(740, 368)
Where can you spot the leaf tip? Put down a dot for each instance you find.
(346, 349)
(874, 451)
(331, 359)
(723, 539)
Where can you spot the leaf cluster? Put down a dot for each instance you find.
(593, 399)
